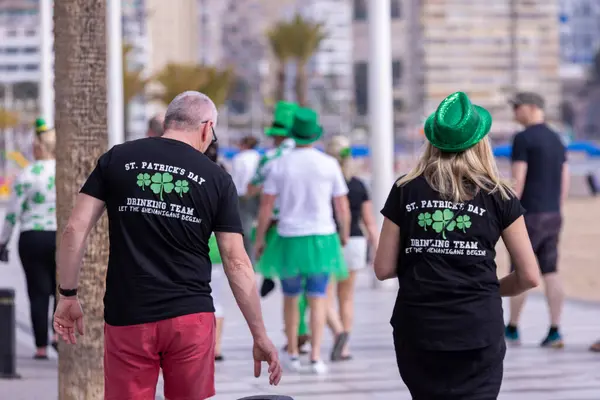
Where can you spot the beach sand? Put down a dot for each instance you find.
(579, 250)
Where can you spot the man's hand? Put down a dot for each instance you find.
(265, 351)
(67, 317)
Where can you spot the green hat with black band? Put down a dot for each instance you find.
(457, 125)
(283, 117)
(306, 129)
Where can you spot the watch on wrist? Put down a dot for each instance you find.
(67, 292)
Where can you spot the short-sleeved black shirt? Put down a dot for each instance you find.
(357, 195)
(544, 152)
(449, 292)
(164, 199)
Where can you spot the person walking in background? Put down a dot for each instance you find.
(218, 279)
(442, 222)
(33, 206)
(164, 199)
(283, 118)
(355, 251)
(541, 177)
(243, 167)
(155, 126)
(307, 251)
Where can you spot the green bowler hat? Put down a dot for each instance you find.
(457, 124)
(283, 117)
(306, 128)
(40, 126)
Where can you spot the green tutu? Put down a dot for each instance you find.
(270, 238)
(288, 257)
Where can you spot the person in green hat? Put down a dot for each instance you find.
(308, 249)
(283, 117)
(442, 222)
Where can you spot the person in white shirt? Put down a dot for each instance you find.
(307, 250)
(243, 167)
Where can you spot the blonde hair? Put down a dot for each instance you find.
(459, 176)
(335, 148)
(46, 142)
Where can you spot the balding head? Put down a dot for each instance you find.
(189, 110)
(190, 118)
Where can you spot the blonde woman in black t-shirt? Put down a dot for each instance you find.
(355, 251)
(442, 222)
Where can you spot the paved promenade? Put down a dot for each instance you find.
(531, 373)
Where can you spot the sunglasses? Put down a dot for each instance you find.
(214, 135)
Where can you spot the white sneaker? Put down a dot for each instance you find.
(318, 367)
(290, 363)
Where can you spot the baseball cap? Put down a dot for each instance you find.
(528, 98)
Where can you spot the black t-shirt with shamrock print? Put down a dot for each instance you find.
(449, 296)
(164, 199)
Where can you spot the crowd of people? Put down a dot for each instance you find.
(183, 225)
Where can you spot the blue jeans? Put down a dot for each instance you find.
(314, 286)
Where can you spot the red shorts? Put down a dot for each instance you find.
(184, 347)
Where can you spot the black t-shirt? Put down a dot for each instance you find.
(357, 195)
(164, 199)
(449, 292)
(544, 152)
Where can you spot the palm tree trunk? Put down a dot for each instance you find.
(280, 88)
(301, 84)
(81, 120)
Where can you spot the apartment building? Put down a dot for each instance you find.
(579, 31)
(489, 50)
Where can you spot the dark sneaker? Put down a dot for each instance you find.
(512, 335)
(554, 340)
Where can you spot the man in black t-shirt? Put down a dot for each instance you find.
(164, 198)
(541, 176)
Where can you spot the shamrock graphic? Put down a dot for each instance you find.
(51, 183)
(182, 187)
(463, 222)
(162, 183)
(52, 210)
(38, 198)
(37, 169)
(12, 218)
(143, 180)
(19, 189)
(25, 206)
(425, 220)
(38, 227)
(442, 221)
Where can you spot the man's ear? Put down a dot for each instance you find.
(206, 132)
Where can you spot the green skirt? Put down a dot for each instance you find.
(288, 257)
(270, 238)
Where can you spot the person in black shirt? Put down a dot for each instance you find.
(164, 198)
(541, 176)
(355, 251)
(442, 222)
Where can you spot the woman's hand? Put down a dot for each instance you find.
(259, 247)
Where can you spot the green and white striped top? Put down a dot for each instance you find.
(266, 162)
(33, 200)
